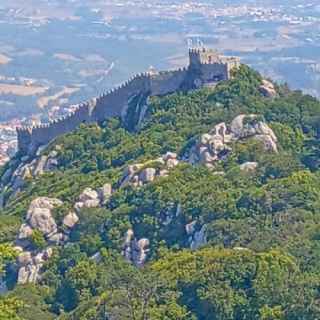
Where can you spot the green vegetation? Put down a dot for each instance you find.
(9, 308)
(7, 254)
(37, 240)
(262, 257)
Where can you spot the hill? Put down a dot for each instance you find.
(208, 210)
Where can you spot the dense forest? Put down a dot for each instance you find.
(233, 237)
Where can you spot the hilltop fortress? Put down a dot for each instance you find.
(205, 68)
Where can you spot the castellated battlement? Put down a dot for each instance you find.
(205, 67)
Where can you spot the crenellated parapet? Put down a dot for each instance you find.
(205, 66)
(210, 60)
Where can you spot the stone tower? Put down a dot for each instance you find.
(208, 67)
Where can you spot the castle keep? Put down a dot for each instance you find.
(205, 68)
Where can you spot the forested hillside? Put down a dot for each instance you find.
(210, 210)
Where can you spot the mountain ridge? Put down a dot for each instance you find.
(213, 201)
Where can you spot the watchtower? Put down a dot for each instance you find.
(198, 56)
(209, 66)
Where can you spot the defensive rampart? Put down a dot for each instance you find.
(115, 102)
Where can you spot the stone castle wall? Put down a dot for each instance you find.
(29, 139)
(115, 102)
(167, 82)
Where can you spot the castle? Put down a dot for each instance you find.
(205, 68)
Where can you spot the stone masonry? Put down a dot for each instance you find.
(205, 68)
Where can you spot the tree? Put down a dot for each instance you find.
(7, 253)
(9, 308)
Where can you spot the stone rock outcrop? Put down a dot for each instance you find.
(212, 146)
(70, 220)
(29, 265)
(45, 203)
(105, 193)
(147, 175)
(250, 126)
(199, 238)
(216, 144)
(142, 173)
(41, 219)
(57, 238)
(267, 89)
(14, 178)
(88, 194)
(249, 166)
(25, 231)
(140, 254)
(135, 251)
(89, 198)
(196, 237)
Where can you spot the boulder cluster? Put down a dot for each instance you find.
(135, 251)
(139, 174)
(30, 265)
(217, 144)
(90, 198)
(40, 219)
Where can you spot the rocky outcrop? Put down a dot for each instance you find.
(249, 166)
(105, 193)
(90, 198)
(212, 146)
(19, 171)
(25, 231)
(45, 203)
(139, 174)
(70, 220)
(251, 126)
(30, 264)
(39, 217)
(196, 236)
(135, 251)
(246, 126)
(267, 89)
(216, 145)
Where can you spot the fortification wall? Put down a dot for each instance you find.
(194, 58)
(114, 102)
(111, 104)
(167, 82)
(29, 139)
(24, 136)
(214, 72)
